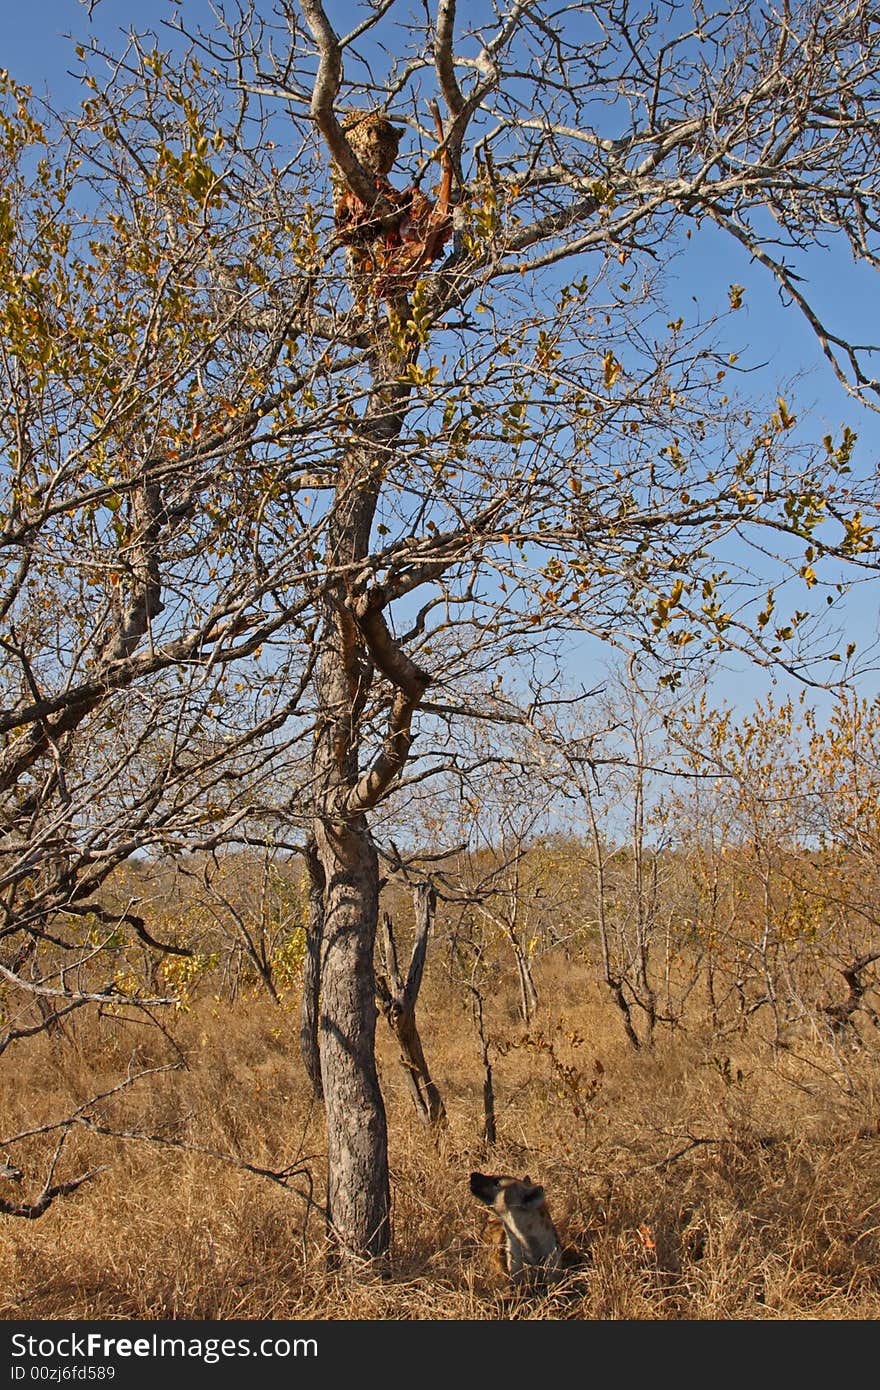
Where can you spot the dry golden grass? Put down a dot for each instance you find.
(688, 1183)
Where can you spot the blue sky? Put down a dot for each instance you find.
(36, 51)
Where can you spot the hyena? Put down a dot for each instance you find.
(528, 1246)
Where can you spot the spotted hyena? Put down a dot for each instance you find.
(528, 1246)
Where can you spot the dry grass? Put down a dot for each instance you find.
(689, 1183)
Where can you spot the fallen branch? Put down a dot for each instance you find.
(30, 1211)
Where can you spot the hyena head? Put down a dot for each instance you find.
(529, 1242)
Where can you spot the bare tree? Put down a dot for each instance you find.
(614, 773)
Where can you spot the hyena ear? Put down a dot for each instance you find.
(527, 1180)
(533, 1198)
(484, 1188)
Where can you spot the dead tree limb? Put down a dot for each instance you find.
(839, 1015)
(30, 1211)
(397, 999)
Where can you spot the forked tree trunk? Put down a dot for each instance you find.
(528, 994)
(398, 998)
(353, 642)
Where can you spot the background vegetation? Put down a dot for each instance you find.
(692, 1072)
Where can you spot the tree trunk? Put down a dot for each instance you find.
(357, 1151)
(357, 1156)
(528, 994)
(355, 640)
(490, 1134)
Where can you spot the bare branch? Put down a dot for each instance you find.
(326, 89)
(110, 995)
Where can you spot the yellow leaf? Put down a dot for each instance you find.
(611, 369)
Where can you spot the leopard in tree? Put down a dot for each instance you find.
(385, 261)
(374, 139)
